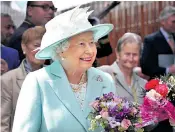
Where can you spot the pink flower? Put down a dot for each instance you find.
(94, 104)
(104, 114)
(117, 100)
(162, 89)
(134, 110)
(125, 123)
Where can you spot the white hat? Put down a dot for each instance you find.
(66, 25)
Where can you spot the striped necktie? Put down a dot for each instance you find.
(171, 42)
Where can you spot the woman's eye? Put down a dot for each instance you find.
(93, 43)
(36, 45)
(127, 54)
(81, 44)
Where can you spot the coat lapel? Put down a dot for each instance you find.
(94, 89)
(119, 77)
(21, 75)
(62, 89)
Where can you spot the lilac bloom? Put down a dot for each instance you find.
(113, 124)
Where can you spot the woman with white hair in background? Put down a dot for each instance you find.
(56, 98)
(128, 83)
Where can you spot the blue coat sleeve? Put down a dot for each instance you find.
(28, 110)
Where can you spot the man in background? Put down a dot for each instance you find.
(7, 28)
(160, 46)
(38, 13)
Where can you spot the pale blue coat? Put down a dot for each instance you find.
(47, 104)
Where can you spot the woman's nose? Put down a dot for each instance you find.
(131, 57)
(88, 49)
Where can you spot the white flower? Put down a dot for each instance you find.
(153, 95)
(98, 117)
(110, 119)
(103, 103)
(113, 124)
(111, 104)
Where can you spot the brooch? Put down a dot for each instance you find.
(99, 78)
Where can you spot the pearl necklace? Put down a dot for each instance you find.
(77, 87)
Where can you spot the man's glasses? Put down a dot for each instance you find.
(45, 7)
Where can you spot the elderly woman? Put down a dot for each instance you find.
(11, 81)
(128, 84)
(56, 98)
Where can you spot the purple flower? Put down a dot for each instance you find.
(126, 104)
(98, 98)
(112, 111)
(108, 96)
(111, 94)
(119, 116)
(126, 110)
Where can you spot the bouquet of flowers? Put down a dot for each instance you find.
(156, 105)
(114, 114)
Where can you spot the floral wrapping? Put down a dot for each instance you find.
(155, 111)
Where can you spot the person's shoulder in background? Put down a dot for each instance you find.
(153, 36)
(11, 56)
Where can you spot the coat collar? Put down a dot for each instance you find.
(22, 74)
(120, 77)
(63, 91)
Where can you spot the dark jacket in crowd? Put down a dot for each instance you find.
(105, 47)
(15, 41)
(154, 45)
(103, 50)
(10, 56)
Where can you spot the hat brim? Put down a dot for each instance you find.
(99, 31)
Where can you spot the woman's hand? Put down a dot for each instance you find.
(172, 122)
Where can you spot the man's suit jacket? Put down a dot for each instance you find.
(15, 41)
(121, 86)
(47, 103)
(11, 83)
(154, 45)
(11, 56)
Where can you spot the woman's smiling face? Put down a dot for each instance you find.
(82, 51)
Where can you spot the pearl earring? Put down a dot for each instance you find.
(62, 58)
